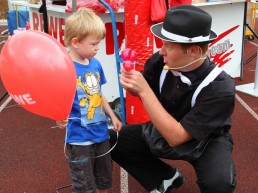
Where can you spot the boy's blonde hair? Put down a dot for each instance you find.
(82, 23)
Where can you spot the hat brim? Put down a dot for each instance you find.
(156, 30)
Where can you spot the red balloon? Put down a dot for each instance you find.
(128, 54)
(38, 72)
(128, 65)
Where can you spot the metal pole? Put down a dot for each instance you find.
(256, 77)
(118, 58)
(243, 43)
(74, 4)
(2, 97)
(43, 10)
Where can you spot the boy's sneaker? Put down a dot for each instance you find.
(173, 183)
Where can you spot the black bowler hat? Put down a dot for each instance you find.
(185, 24)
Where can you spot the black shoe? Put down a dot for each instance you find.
(173, 183)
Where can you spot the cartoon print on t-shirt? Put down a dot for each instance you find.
(92, 91)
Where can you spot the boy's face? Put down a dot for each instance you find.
(88, 47)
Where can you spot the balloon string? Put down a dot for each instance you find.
(93, 156)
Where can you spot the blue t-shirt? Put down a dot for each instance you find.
(87, 120)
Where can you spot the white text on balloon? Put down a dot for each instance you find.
(23, 99)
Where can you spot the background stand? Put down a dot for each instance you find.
(251, 88)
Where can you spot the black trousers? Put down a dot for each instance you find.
(215, 169)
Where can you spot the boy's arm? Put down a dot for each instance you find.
(115, 121)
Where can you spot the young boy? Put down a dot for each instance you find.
(87, 130)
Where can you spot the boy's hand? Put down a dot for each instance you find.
(116, 123)
(61, 124)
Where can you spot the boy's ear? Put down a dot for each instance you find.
(74, 42)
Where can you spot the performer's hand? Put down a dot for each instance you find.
(133, 82)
